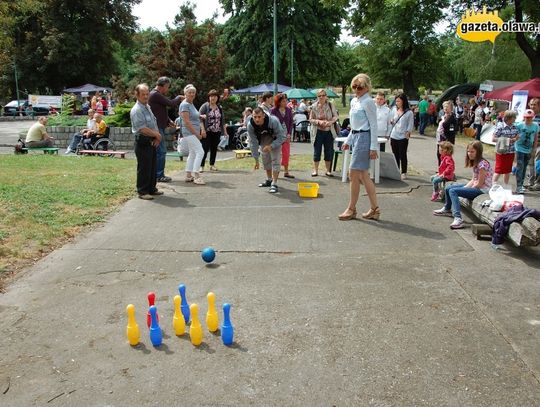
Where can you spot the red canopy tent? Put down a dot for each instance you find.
(532, 85)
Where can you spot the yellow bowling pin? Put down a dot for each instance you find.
(179, 325)
(212, 320)
(132, 329)
(195, 329)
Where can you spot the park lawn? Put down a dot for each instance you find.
(46, 200)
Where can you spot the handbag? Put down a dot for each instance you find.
(503, 145)
(337, 127)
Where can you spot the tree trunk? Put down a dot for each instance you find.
(344, 95)
(409, 87)
(532, 54)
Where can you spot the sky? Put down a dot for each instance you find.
(151, 15)
(156, 13)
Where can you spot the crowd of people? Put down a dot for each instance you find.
(270, 127)
(271, 124)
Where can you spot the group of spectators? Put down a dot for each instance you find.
(269, 127)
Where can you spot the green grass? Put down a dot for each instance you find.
(45, 200)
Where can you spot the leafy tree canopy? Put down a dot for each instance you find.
(308, 26)
(58, 43)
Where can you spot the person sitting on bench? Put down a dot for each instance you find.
(37, 135)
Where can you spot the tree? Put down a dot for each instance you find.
(519, 11)
(187, 52)
(402, 49)
(500, 61)
(349, 64)
(312, 28)
(57, 43)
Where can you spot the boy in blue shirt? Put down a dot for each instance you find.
(525, 145)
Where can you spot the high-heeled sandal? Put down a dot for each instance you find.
(373, 213)
(348, 214)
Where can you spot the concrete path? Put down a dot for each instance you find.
(400, 312)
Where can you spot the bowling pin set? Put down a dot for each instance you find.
(183, 314)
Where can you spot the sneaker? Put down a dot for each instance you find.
(199, 181)
(403, 176)
(164, 179)
(520, 190)
(265, 184)
(273, 189)
(535, 187)
(442, 212)
(457, 223)
(146, 197)
(434, 196)
(201, 170)
(157, 192)
(69, 151)
(213, 168)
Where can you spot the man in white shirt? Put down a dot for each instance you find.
(383, 119)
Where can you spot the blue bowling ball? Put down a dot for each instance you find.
(208, 254)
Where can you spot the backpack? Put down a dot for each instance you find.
(19, 147)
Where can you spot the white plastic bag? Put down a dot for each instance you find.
(503, 199)
(498, 195)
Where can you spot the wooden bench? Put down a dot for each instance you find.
(524, 233)
(242, 153)
(121, 154)
(46, 150)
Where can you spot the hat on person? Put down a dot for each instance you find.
(528, 113)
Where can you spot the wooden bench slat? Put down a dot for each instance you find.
(121, 154)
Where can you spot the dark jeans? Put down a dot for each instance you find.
(210, 143)
(424, 117)
(399, 148)
(323, 138)
(478, 128)
(161, 154)
(522, 163)
(146, 166)
(460, 124)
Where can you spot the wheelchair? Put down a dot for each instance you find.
(103, 143)
(241, 139)
(301, 131)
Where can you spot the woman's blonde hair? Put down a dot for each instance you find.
(448, 103)
(363, 80)
(189, 87)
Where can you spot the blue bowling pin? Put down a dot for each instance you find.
(184, 307)
(227, 330)
(156, 336)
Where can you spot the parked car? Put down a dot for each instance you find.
(12, 109)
